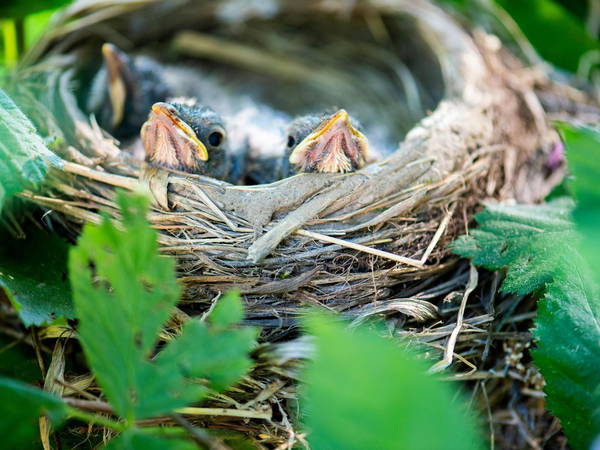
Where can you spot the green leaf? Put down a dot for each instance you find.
(583, 158)
(33, 273)
(557, 35)
(211, 353)
(124, 292)
(516, 237)
(568, 353)
(362, 391)
(538, 246)
(136, 439)
(18, 361)
(21, 406)
(228, 310)
(24, 159)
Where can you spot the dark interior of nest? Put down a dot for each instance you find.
(376, 66)
(380, 69)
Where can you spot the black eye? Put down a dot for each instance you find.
(215, 138)
(291, 141)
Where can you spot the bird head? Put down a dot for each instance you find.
(183, 136)
(326, 143)
(124, 90)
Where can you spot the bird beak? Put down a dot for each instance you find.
(169, 141)
(116, 63)
(335, 146)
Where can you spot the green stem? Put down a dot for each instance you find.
(97, 419)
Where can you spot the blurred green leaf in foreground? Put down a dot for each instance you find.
(21, 405)
(362, 391)
(124, 293)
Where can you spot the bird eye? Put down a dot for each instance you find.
(215, 138)
(291, 141)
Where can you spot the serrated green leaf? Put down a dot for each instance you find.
(362, 391)
(24, 159)
(228, 310)
(512, 237)
(567, 333)
(21, 406)
(124, 292)
(136, 439)
(33, 273)
(220, 356)
(538, 246)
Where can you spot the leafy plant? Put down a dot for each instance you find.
(24, 159)
(362, 391)
(124, 292)
(33, 273)
(538, 246)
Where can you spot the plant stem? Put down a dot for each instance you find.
(97, 419)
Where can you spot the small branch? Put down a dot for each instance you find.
(103, 407)
(115, 180)
(96, 419)
(436, 237)
(448, 354)
(362, 248)
(248, 414)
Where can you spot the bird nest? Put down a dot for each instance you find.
(460, 111)
(353, 243)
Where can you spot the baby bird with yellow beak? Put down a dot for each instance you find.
(187, 136)
(326, 143)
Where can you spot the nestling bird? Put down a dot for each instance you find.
(323, 143)
(123, 91)
(187, 136)
(326, 143)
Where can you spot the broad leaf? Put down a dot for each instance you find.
(532, 242)
(124, 292)
(538, 247)
(362, 391)
(21, 406)
(24, 159)
(33, 273)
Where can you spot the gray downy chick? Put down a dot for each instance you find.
(124, 90)
(187, 136)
